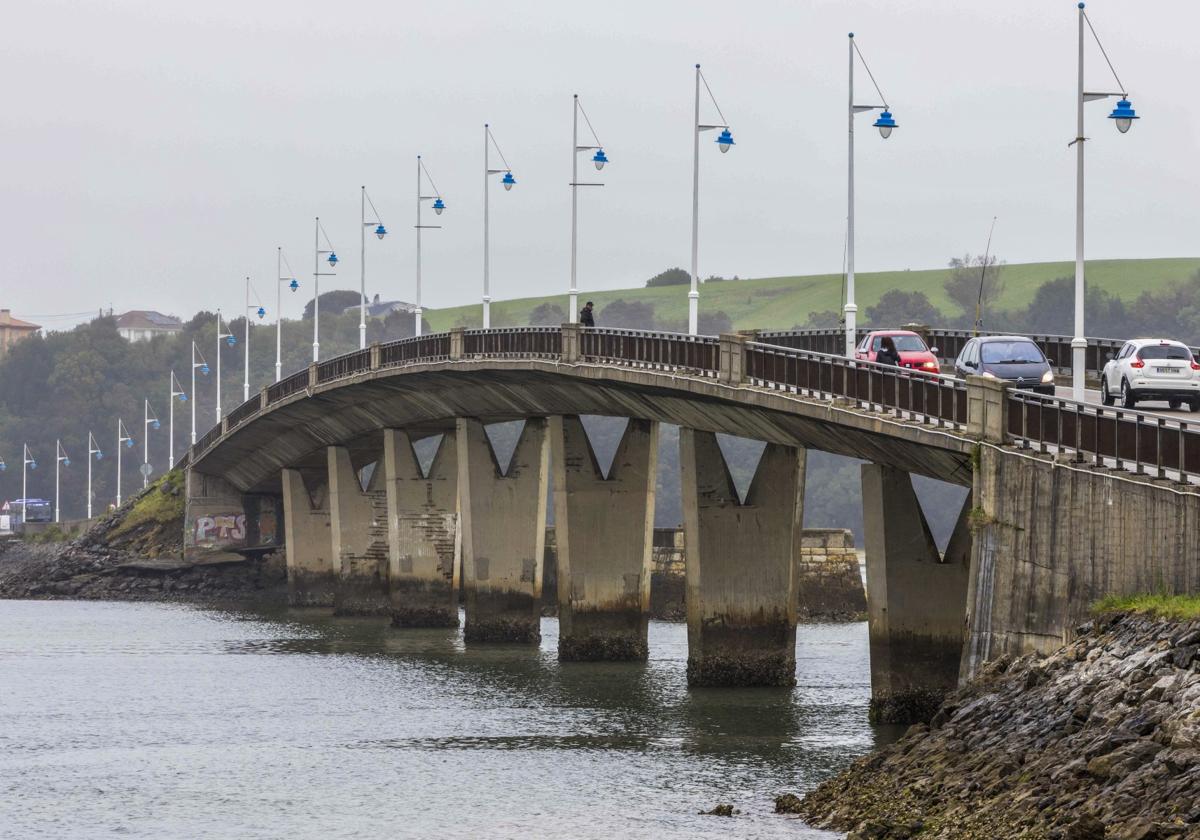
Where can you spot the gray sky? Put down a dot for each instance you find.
(155, 153)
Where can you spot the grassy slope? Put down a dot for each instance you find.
(781, 302)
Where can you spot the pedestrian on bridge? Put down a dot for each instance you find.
(586, 318)
(887, 355)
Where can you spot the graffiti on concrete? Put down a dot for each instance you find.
(219, 529)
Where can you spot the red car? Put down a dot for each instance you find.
(913, 352)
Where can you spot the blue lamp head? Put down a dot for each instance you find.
(33, 465)
(885, 124)
(99, 454)
(508, 180)
(154, 424)
(182, 397)
(3, 466)
(724, 140)
(66, 462)
(261, 313)
(1124, 115)
(129, 443)
(333, 259)
(294, 285)
(204, 369)
(599, 159)
(230, 340)
(381, 231)
(439, 206)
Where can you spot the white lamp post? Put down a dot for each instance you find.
(149, 421)
(489, 142)
(886, 123)
(332, 258)
(30, 464)
(231, 340)
(439, 207)
(599, 159)
(203, 368)
(93, 449)
(60, 460)
(380, 232)
(1123, 116)
(177, 392)
(261, 313)
(293, 284)
(724, 143)
(123, 437)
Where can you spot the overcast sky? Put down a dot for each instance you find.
(154, 153)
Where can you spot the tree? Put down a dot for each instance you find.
(631, 315)
(670, 277)
(333, 302)
(900, 307)
(547, 315)
(963, 284)
(825, 319)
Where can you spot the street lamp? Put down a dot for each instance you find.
(60, 460)
(724, 142)
(439, 207)
(177, 392)
(261, 313)
(380, 232)
(30, 464)
(1122, 116)
(123, 437)
(231, 340)
(331, 257)
(93, 449)
(293, 284)
(489, 142)
(150, 421)
(203, 368)
(599, 159)
(886, 123)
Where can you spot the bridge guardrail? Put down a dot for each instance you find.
(514, 342)
(247, 409)
(287, 386)
(347, 364)
(658, 350)
(428, 348)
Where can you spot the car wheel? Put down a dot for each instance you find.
(1174, 404)
(1127, 398)
(1105, 396)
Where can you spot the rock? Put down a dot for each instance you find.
(721, 810)
(789, 803)
(1086, 828)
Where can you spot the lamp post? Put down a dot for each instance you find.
(332, 258)
(93, 449)
(724, 143)
(261, 313)
(231, 340)
(30, 464)
(439, 207)
(60, 460)
(149, 421)
(124, 437)
(203, 368)
(293, 284)
(885, 123)
(489, 142)
(380, 232)
(1123, 116)
(177, 392)
(599, 159)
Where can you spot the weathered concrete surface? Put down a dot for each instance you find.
(741, 564)
(503, 520)
(1052, 538)
(830, 579)
(916, 599)
(220, 517)
(312, 576)
(604, 532)
(359, 528)
(423, 529)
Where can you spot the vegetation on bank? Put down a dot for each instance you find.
(1176, 607)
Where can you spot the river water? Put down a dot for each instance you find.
(164, 721)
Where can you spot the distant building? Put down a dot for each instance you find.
(144, 324)
(13, 330)
(381, 309)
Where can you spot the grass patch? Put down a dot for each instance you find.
(1182, 607)
(159, 505)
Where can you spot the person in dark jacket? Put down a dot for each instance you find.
(585, 315)
(887, 355)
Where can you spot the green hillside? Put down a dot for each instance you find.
(782, 302)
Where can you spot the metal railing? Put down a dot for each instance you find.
(347, 364)
(287, 386)
(247, 409)
(656, 350)
(425, 348)
(514, 342)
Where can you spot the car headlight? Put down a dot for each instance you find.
(1047, 377)
(988, 374)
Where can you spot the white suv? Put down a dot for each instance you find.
(1152, 369)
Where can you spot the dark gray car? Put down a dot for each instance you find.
(1013, 358)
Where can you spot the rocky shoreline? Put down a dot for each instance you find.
(1100, 740)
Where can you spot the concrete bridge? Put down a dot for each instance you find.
(1067, 502)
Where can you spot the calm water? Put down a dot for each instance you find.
(146, 720)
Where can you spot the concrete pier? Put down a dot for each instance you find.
(503, 521)
(422, 533)
(916, 599)
(741, 564)
(604, 532)
(312, 579)
(359, 529)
